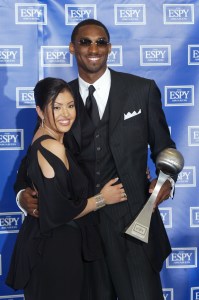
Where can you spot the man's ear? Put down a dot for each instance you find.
(71, 48)
(109, 48)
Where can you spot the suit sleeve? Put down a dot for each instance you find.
(22, 180)
(159, 135)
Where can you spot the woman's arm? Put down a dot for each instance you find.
(111, 193)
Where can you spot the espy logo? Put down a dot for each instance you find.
(11, 139)
(180, 95)
(25, 97)
(130, 14)
(11, 55)
(55, 56)
(195, 293)
(75, 13)
(187, 177)
(10, 222)
(193, 54)
(182, 258)
(194, 216)
(178, 14)
(168, 294)
(166, 215)
(193, 136)
(155, 55)
(115, 58)
(30, 13)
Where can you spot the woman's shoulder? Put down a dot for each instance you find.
(48, 163)
(54, 146)
(50, 144)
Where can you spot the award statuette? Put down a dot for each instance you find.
(169, 162)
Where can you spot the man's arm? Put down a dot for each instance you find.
(159, 140)
(22, 179)
(166, 191)
(26, 197)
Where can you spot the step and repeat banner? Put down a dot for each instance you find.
(153, 39)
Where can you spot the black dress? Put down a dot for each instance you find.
(50, 252)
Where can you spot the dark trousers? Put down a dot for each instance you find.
(129, 275)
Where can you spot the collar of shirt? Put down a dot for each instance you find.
(102, 89)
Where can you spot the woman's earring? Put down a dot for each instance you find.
(42, 123)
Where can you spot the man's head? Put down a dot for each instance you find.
(89, 22)
(90, 43)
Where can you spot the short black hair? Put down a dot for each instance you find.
(88, 22)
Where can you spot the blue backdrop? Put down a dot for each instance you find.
(154, 39)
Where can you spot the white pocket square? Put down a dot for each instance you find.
(133, 114)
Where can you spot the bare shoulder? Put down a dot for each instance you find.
(55, 147)
(58, 150)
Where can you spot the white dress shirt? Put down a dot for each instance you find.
(102, 89)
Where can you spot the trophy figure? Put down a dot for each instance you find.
(169, 162)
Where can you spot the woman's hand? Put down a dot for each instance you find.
(113, 193)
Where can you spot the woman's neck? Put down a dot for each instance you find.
(52, 133)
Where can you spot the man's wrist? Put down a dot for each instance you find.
(172, 182)
(18, 202)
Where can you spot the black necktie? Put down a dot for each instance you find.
(91, 106)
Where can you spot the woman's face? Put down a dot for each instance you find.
(61, 116)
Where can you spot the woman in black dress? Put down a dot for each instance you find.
(49, 254)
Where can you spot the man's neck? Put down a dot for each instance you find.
(91, 77)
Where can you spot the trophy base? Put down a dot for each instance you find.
(139, 228)
(138, 231)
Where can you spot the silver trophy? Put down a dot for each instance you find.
(169, 162)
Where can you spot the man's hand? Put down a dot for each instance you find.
(148, 174)
(164, 192)
(29, 202)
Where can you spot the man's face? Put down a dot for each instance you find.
(91, 59)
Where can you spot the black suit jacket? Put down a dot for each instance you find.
(128, 140)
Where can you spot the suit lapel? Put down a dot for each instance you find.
(76, 128)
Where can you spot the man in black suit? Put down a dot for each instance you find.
(131, 118)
